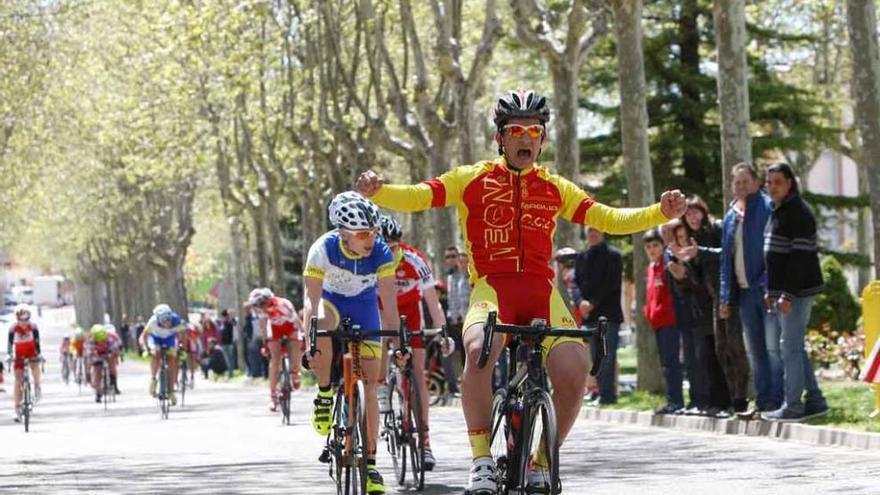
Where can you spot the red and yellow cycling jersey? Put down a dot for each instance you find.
(508, 217)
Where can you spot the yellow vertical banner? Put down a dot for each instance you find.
(871, 322)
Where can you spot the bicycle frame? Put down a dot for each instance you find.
(340, 440)
(528, 387)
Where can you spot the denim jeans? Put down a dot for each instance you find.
(762, 343)
(669, 347)
(799, 374)
(698, 381)
(607, 392)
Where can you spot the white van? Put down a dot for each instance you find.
(22, 294)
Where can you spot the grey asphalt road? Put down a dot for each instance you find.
(226, 441)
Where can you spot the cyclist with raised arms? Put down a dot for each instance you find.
(163, 329)
(278, 316)
(415, 282)
(345, 270)
(508, 210)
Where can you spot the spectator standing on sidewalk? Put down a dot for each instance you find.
(227, 339)
(744, 280)
(730, 351)
(598, 276)
(661, 315)
(685, 319)
(138, 330)
(712, 398)
(459, 295)
(794, 278)
(125, 332)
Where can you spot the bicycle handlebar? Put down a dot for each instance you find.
(539, 330)
(353, 333)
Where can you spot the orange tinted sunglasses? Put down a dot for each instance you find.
(363, 235)
(515, 130)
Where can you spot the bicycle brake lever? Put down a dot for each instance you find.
(488, 334)
(598, 340)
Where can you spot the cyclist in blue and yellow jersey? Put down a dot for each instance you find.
(163, 329)
(345, 269)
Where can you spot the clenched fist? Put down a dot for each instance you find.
(369, 183)
(673, 204)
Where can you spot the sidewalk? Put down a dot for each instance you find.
(816, 435)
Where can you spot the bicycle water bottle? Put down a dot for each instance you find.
(516, 411)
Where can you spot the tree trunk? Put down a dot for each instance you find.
(260, 246)
(637, 162)
(862, 22)
(565, 95)
(694, 154)
(733, 87)
(273, 224)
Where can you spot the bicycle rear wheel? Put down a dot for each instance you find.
(356, 467)
(284, 396)
(539, 432)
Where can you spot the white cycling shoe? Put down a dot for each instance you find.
(482, 480)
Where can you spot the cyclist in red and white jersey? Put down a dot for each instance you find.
(279, 318)
(415, 282)
(24, 344)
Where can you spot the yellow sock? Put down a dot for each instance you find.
(540, 458)
(479, 443)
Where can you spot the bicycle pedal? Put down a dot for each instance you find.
(325, 456)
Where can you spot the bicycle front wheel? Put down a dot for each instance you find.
(539, 434)
(414, 431)
(500, 427)
(105, 385)
(26, 406)
(183, 382)
(356, 467)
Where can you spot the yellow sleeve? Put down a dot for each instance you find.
(438, 192)
(386, 270)
(624, 220)
(578, 207)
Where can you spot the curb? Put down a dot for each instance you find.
(816, 435)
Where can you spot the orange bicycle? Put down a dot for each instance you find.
(346, 446)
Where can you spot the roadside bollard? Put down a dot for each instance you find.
(871, 322)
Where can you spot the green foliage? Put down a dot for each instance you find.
(835, 309)
(684, 133)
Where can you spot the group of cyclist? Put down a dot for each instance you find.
(508, 210)
(362, 272)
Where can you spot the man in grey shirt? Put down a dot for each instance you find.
(459, 299)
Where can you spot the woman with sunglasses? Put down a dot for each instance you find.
(508, 209)
(345, 270)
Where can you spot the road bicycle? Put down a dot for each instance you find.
(346, 446)
(402, 426)
(523, 415)
(27, 391)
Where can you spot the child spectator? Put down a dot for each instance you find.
(661, 315)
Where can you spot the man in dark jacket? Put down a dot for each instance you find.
(227, 338)
(598, 272)
(794, 278)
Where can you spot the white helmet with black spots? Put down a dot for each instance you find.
(350, 210)
(391, 228)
